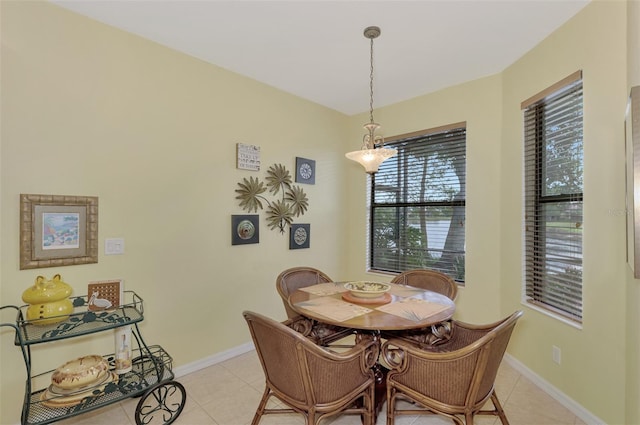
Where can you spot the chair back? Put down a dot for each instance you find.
(277, 348)
(494, 344)
(459, 375)
(429, 279)
(306, 376)
(295, 278)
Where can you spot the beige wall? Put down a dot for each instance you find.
(90, 110)
(478, 103)
(593, 41)
(592, 371)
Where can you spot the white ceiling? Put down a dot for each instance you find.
(315, 49)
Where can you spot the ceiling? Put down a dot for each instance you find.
(316, 49)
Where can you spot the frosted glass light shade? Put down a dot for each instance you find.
(371, 159)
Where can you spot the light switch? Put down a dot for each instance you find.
(114, 246)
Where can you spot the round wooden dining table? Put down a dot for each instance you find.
(404, 307)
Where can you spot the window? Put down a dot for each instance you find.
(417, 204)
(553, 183)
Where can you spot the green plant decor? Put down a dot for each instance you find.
(291, 200)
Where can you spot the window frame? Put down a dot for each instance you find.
(533, 277)
(371, 193)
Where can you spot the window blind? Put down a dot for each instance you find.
(417, 207)
(553, 138)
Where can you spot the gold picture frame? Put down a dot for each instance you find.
(58, 230)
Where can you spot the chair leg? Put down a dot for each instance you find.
(468, 419)
(261, 406)
(391, 400)
(370, 406)
(499, 409)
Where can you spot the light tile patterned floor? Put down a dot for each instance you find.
(228, 394)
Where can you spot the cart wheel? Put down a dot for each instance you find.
(161, 404)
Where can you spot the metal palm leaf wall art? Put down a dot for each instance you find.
(291, 200)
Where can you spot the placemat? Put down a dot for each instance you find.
(336, 310)
(328, 288)
(414, 309)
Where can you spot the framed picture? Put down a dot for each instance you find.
(632, 151)
(245, 229)
(58, 230)
(105, 294)
(300, 236)
(247, 157)
(305, 171)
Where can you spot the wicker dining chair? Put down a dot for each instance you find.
(455, 379)
(428, 279)
(308, 379)
(299, 277)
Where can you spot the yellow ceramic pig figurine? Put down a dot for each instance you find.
(48, 298)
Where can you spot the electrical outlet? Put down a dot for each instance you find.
(556, 354)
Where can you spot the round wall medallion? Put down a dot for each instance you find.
(245, 229)
(306, 171)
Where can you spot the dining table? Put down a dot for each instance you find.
(402, 308)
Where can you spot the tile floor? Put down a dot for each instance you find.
(228, 394)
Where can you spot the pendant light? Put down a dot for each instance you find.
(372, 153)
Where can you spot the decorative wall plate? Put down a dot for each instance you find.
(245, 229)
(305, 171)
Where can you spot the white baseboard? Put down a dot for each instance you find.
(577, 409)
(211, 360)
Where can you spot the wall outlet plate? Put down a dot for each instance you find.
(556, 354)
(114, 246)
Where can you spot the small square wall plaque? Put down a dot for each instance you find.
(247, 157)
(300, 236)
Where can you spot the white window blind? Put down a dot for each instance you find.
(553, 138)
(417, 206)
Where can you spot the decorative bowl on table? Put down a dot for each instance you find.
(80, 373)
(364, 289)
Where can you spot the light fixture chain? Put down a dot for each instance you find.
(371, 85)
(372, 153)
